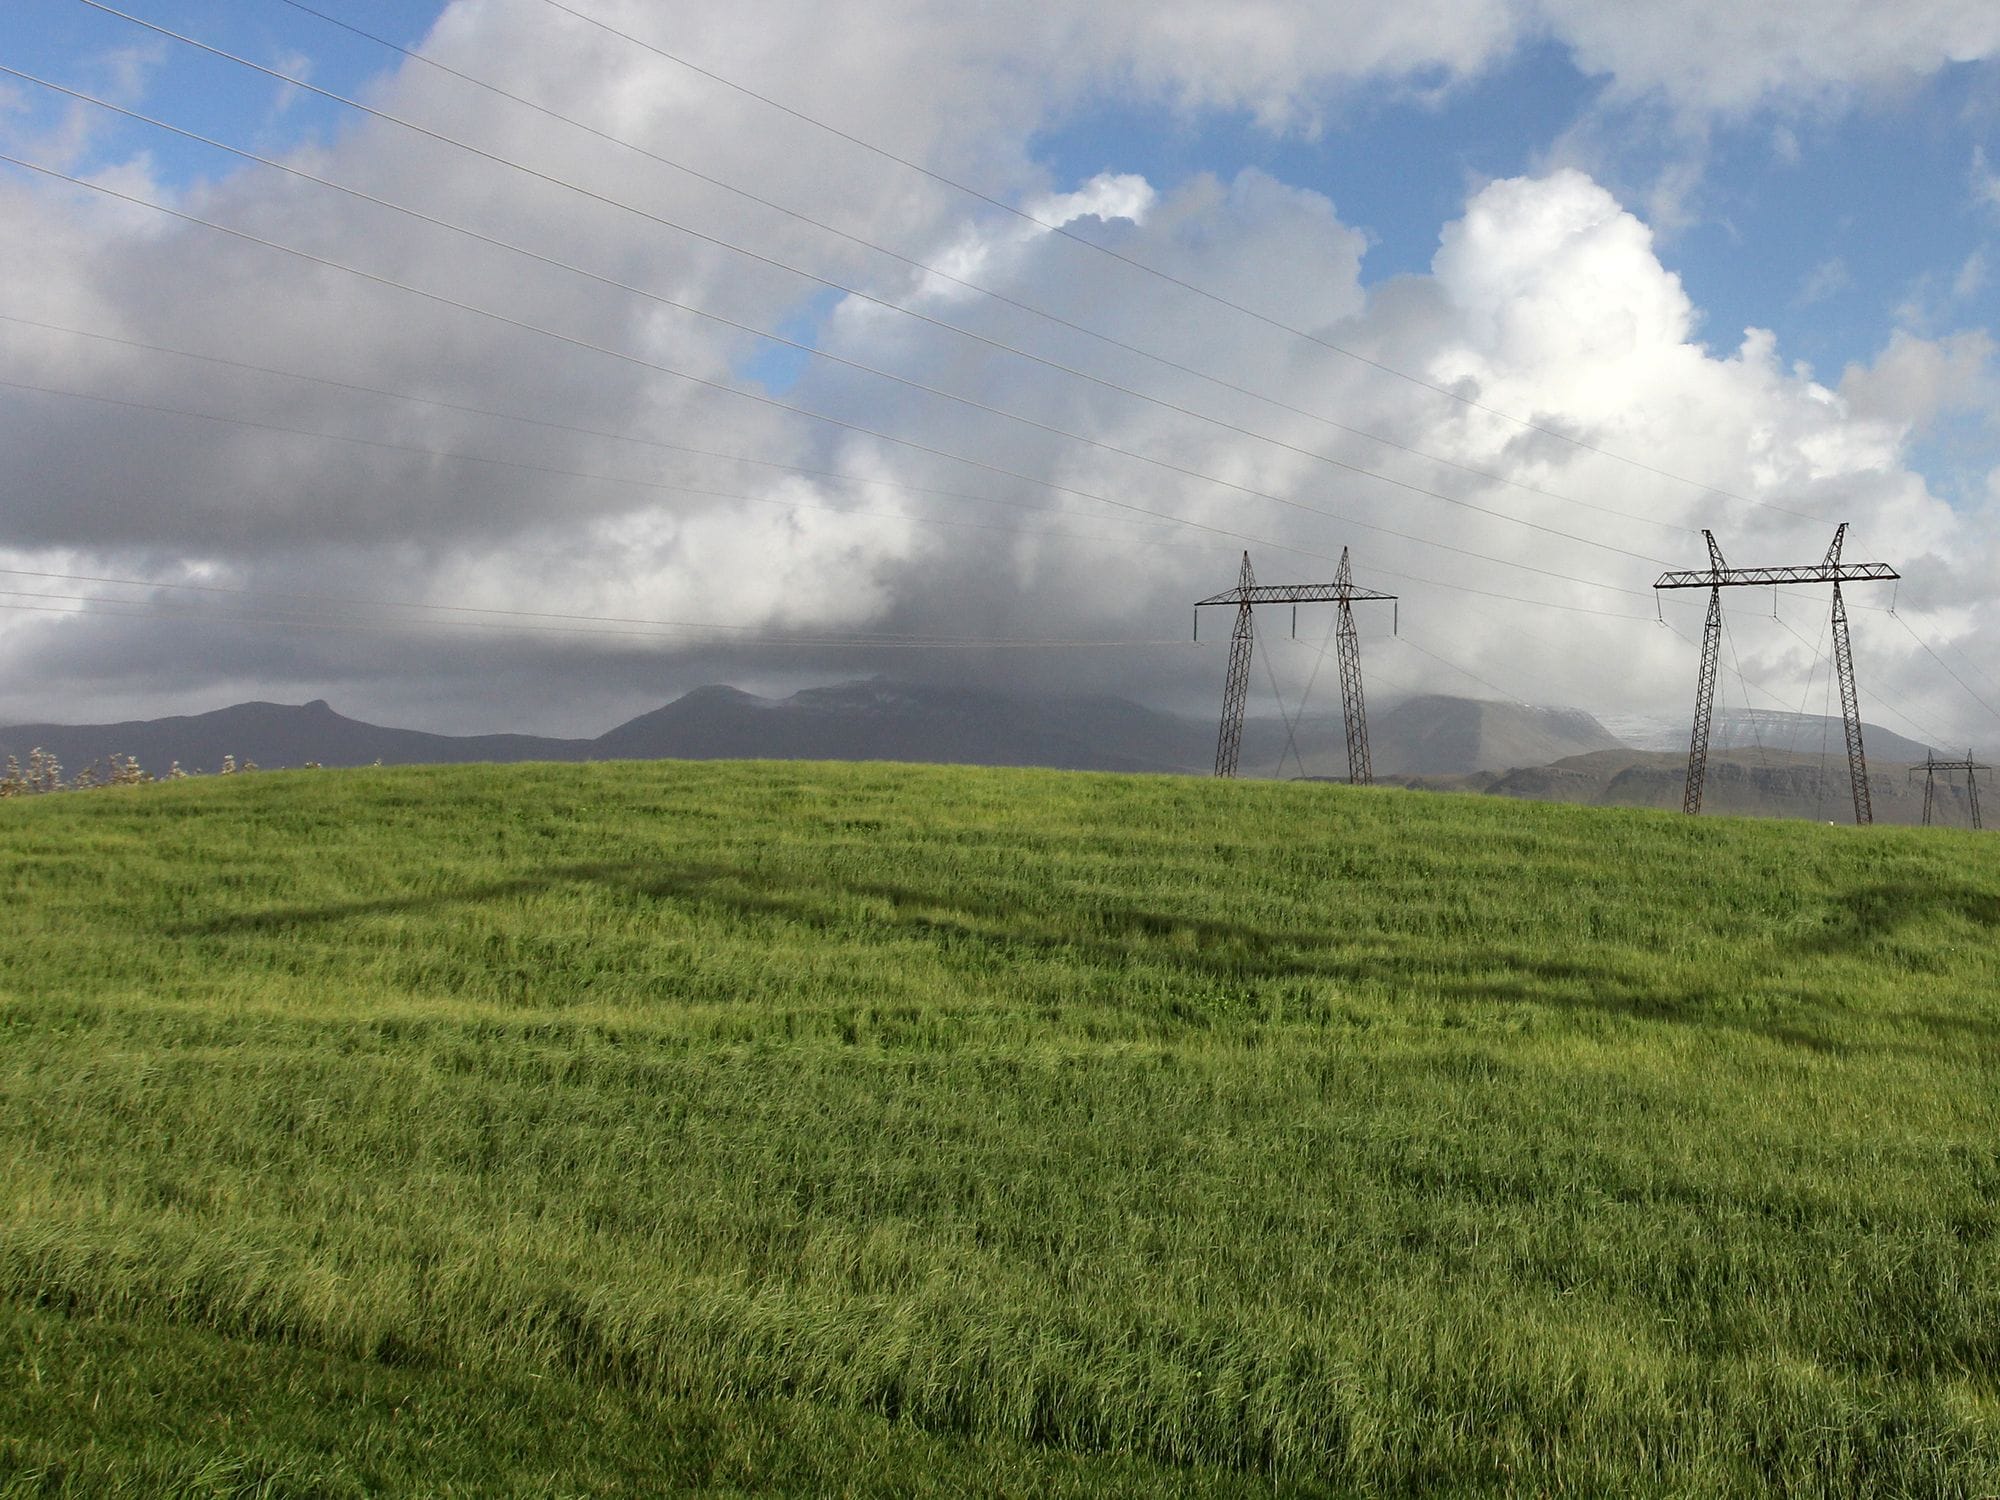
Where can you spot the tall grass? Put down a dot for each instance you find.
(1329, 1137)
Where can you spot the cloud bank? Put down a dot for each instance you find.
(595, 477)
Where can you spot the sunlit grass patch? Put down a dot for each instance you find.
(1291, 1133)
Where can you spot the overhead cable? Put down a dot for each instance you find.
(1002, 298)
(92, 604)
(526, 420)
(630, 481)
(816, 352)
(1908, 630)
(774, 402)
(1139, 265)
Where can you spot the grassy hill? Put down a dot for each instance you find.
(881, 1129)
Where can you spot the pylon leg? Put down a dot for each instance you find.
(1930, 784)
(1704, 704)
(1850, 713)
(1353, 706)
(1972, 790)
(1236, 686)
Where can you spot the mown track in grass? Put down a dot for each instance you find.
(1312, 1136)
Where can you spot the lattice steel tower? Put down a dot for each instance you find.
(1242, 639)
(1718, 577)
(1932, 765)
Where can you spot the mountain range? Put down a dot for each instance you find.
(1746, 783)
(869, 720)
(1429, 742)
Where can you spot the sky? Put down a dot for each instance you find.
(521, 364)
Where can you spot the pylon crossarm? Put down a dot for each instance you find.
(1727, 578)
(1290, 593)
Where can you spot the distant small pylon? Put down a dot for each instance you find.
(1932, 765)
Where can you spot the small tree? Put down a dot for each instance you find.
(44, 771)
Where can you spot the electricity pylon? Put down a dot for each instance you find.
(1932, 765)
(1719, 576)
(1236, 686)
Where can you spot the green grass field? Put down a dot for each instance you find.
(888, 1130)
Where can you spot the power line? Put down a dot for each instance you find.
(1965, 657)
(510, 416)
(1415, 578)
(543, 621)
(814, 350)
(616, 626)
(1890, 705)
(824, 354)
(1896, 706)
(1947, 667)
(720, 386)
(774, 402)
(1199, 291)
(1415, 645)
(352, 601)
(621, 479)
(1818, 655)
(1291, 733)
(140, 608)
(706, 453)
(1735, 661)
(1305, 694)
(943, 275)
(946, 395)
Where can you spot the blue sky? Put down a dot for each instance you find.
(99, 53)
(1827, 227)
(1826, 238)
(1836, 185)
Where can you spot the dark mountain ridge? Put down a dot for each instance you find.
(1741, 783)
(1429, 742)
(851, 721)
(274, 735)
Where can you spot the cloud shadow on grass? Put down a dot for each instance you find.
(1871, 913)
(1219, 952)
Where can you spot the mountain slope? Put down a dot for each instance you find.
(1768, 730)
(1474, 745)
(878, 720)
(272, 734)
(1433, 735)
(1743, 783)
